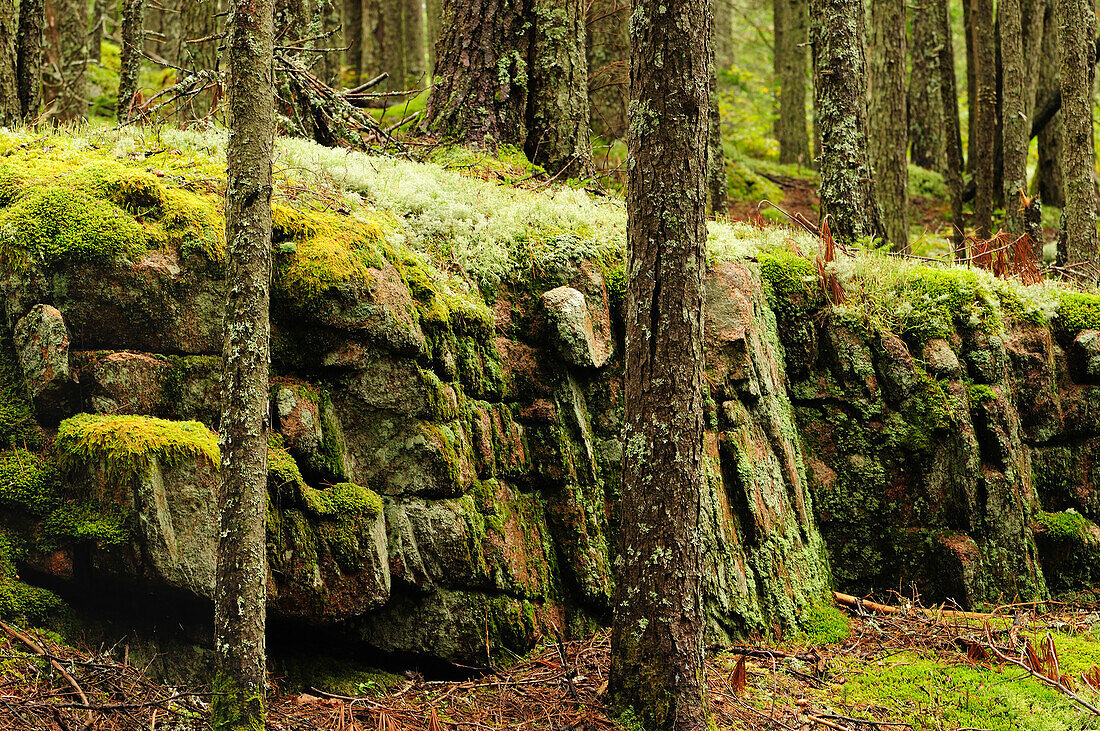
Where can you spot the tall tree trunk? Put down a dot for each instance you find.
(1015, 126)
(391, 42)
(657, 644)
(716, 156)
(433, 17)
(982, 130)
(971, 83)
(198, 21)
(949, 101)
(724, 21)
(353, 38)
(558, 134)
(370, 50)
(1078, 29)
(28, 72)
(608, 64)
(791, 59)
(1048, 170)
(133, 40)
(924, 104)
(416, 52)
(326, 19)
(481, 73)
(889, 128)
(95, 35)
(240, 585)
(162, 32)
(70, 51)
(838, 32)
(10, 111)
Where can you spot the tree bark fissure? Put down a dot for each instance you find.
(1014, 125)
(133, 40)
(32, 25)
(889, 120)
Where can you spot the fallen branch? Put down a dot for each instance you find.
(855, 602)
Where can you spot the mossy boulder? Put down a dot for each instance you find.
(42, 346)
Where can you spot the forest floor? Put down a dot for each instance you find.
(853, 671)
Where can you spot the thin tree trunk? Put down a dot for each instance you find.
(608, 65)
(10, 111)
(198, 21)
(724, 22)
(949, 100)
(95, 36)
(1077, 23)
(370, 50)
(971, 83)
(558, 134)
(847, 197)
(240, 588)
(70, 97)
(353, 38)
(1048, 170)
(925, 105)
(133, 40)
(791, 54)
(416, 52)
(326, 19)
(32, 25)
(716, 155)
(657, 644)
(1015, 127)
(983, 134)
(391, 42)
(889, 126)
(433, 15)
(481, 73)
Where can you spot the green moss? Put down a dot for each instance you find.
(1065, 526)
(126, 445)
(508, 164)
(1078, 311)
(28, 483)
(343, 499)
(193, 225)
(19, 601)
(824, 625)
(282, 470)
(55, 226)
(981, 394)
(233, 709)
(17, 423)
(85, 522)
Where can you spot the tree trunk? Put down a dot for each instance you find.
(1078, 29)
(558, 135)
(326, 19)
(70, 51)
(133, 40)
(724, 22)
(353, 39)
(657, 644)
(838, 33)
(480, 94)
(949, 102)
(32, 25)
(416, 59)
(10, 111)
(391, 43)
(608, 64)
(433, 16)
(971, 83)
(791, 54)
(889, 127)
(982, 132)
(370, 50)
(95, 36)
(1048, 171)
(716, 155)
(1015, 128)
(924, 104)
(240, 588)
(197, 21)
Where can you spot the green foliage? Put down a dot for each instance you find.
(981, 394)
(926, 184)
(17, 423)
(28, 483)
(1078, 311)
(1064, 526)
(743, 184)
(126, 445)
(824, 625)
(84, 522)
(342, 499)
(19, 601)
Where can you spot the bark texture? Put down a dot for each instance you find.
(889, 127)
(353, 38)
(240, 587)
(838, 34)
(390, 37)
(557, 104)
(925, 104)
(98, 23)
(32, 25)
(791, 60)
(971, 82)
(1015, 128)
(949, 101)
(70, 51)
(416, 62)
(10, 111)
(1048, 170)
(984, 121)
(481, 73)
(433, 17)
(1077, 24)
(657, 641)
(133, 40)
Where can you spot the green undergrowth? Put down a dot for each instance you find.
(125, 446)
(19, 601)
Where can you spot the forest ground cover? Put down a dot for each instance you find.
(920, 668)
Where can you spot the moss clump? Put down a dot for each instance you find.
(28, 483)
(56, 226)
(103, 526)
(127, 445)
(1078, 311)
(232, 709)
(1065, 526)
(18, 600)
(981, 394)
(343, 499)
(17, 423)
(824, 625)
(509, 164)
(282, 470)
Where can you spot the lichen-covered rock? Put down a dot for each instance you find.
(121, 382)
(1085, 353)
(580, 338)
(42, 346)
